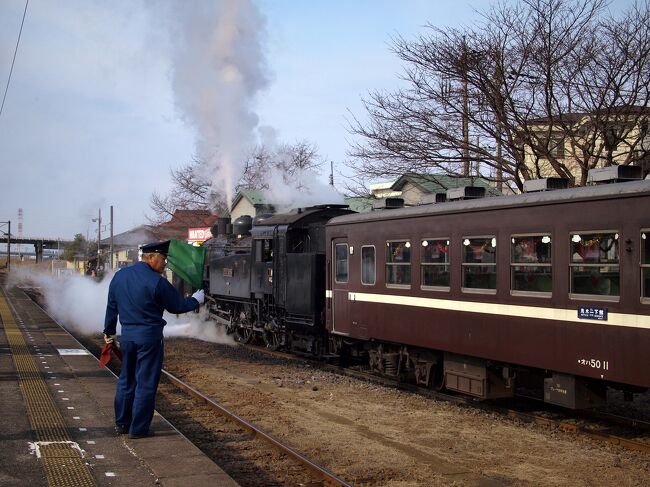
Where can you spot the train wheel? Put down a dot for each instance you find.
(272, 340)
(243, 334)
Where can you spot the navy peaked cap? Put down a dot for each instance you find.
(157, 247)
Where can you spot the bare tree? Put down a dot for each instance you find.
(192, 189)
(288, 160)
(511, 93)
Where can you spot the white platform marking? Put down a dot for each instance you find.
(72, 351)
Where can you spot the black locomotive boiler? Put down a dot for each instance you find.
(549, 291)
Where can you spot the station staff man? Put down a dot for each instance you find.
(139, 294)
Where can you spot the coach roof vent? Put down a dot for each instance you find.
(546, 184)
(387, 203)
(465, 193)
(614, 174)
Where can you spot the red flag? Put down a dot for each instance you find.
(105, 356)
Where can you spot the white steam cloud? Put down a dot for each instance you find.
(310, 191)
(79, 304)
(218, 69)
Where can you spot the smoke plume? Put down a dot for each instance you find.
(218, 68)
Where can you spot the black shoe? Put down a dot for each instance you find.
(144, 435)
(120, 429)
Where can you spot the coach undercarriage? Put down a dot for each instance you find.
(438, 370)
(473, 376)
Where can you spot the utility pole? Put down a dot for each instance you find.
(111, 237)
(8, 234)
(99, 237)
(332, 173)
(9, 246)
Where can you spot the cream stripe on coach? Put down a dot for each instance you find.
(559, 314)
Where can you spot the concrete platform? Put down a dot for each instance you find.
(82, 393)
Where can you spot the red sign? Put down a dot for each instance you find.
(198, 234)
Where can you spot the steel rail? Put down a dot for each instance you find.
(327, 477)
(618, 419)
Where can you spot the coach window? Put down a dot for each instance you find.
(341, 251)
(480, 264)
(595, 264)
(645, 266)
(398, 263)
(368, 265)
(435, 264)
(530, 265)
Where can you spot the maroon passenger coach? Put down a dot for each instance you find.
(546, 290)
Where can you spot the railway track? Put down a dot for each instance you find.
(241, 462)
(597, 425)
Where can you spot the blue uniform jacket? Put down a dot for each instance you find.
(139, 295)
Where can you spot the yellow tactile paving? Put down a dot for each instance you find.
(63, 463)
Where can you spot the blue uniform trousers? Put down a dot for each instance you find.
(135, 395)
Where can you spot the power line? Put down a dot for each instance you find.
(14, 59)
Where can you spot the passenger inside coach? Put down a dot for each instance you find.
(531, 259)
(595, 264)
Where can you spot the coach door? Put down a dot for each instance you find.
(340, 279)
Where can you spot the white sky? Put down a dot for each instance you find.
(90, 118)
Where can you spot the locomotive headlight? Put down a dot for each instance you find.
(576, 238)
(546, 239)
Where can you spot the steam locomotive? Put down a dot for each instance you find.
(546, 290)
